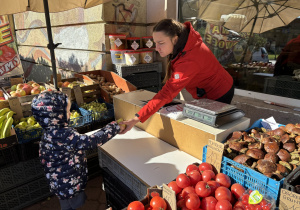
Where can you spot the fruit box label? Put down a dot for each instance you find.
(170, 196)
(215, 153)
(67, 91)
(289, 200)
(15, 81)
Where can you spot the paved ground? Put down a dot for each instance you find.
(95, 198)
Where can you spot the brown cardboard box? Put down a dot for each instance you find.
(186, 134)
(289, 200)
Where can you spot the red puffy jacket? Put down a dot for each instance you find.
(195, 67)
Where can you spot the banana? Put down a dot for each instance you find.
(2, 118)
(9, 114)
(2, 128)
(4, 111)
(7, 127)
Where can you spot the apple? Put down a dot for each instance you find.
(30, 82)
(15, 94)
(35, 85)
(2, 98)
(20, 86)
(14, 88)
(27, 89)
(42, 88)
(35, 90)
(21, 92)
(66, 84)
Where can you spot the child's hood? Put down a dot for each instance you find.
(50, 109)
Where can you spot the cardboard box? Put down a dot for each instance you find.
(289, 200)
(143, 161)
(109, 77)
(185, 134)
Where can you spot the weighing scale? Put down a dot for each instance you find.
(211, 112)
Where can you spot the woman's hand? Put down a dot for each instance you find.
(129, 124)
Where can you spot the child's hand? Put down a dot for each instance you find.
(121, 124)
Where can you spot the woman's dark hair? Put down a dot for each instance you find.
(172, 28)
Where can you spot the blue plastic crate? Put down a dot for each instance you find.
(25, 136)
(258, 124)
(84, 119)
(248, 177)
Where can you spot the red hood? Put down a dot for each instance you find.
(194, 38)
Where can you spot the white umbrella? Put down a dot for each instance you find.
(16, 6)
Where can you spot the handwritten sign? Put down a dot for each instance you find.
(15, 81)
(67, 91)
(170, 196)
(215, 153)
(78, 95)
(289, 200)
(15, 106)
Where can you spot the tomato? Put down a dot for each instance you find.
(136, 205)
(154, 193)
(258, 207)
(213, 185)
(208, 175)
(223, 205)
(208, 203)
(204, 167)
(187, 191)
(245, 199)
(173, 186)
(202, 189)
(183, 181)
(223, 193)
(195, 177)
(192, 201)
(237, 190)
(180, 203)
(179, 196)
(190, 168)
(158, 202)
(239, 206)
(223, 180)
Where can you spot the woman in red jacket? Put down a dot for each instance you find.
(191, 65)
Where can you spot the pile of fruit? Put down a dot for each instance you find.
(274, 153)
(23, 89)
(6, 122)
(99, 110)
(27, 128)
(202, 188)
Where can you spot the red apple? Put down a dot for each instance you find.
(35, 90)
(20, 86)
(27, 89)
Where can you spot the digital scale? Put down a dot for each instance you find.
(211, 112)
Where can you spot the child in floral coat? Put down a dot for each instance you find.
(62, 148)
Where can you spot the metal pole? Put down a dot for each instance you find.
(51, 46)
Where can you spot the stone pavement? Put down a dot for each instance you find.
(96, 199)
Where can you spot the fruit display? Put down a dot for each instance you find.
(201, 187)
(24, 89)
(27, 128)
(6, 122)
(99, 110)
(70, 84)
(274, 153)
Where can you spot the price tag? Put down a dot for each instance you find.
(15, 106)
(67, 91)
(289, 200)
(215, 153)
(78, 95)
(15, 81)
(170, 196)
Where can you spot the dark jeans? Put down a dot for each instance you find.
(73, 203)
(227, 97)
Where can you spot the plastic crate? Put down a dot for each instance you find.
(28, 150)
(20, 173)
(123, 70)
(118, 195)
(84, 119)
(145, 79)
(258, 124)
(248, 177)
(25, 195)
(292, 180)
(282, 86)
(28, 135)
(8, 156)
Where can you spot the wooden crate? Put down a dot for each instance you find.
(83, 97)
(4, 103)
(109, 77)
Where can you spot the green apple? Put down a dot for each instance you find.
(14, 88)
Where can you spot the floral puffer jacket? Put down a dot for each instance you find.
(62, 148)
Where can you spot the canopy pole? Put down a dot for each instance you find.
(51, 46)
